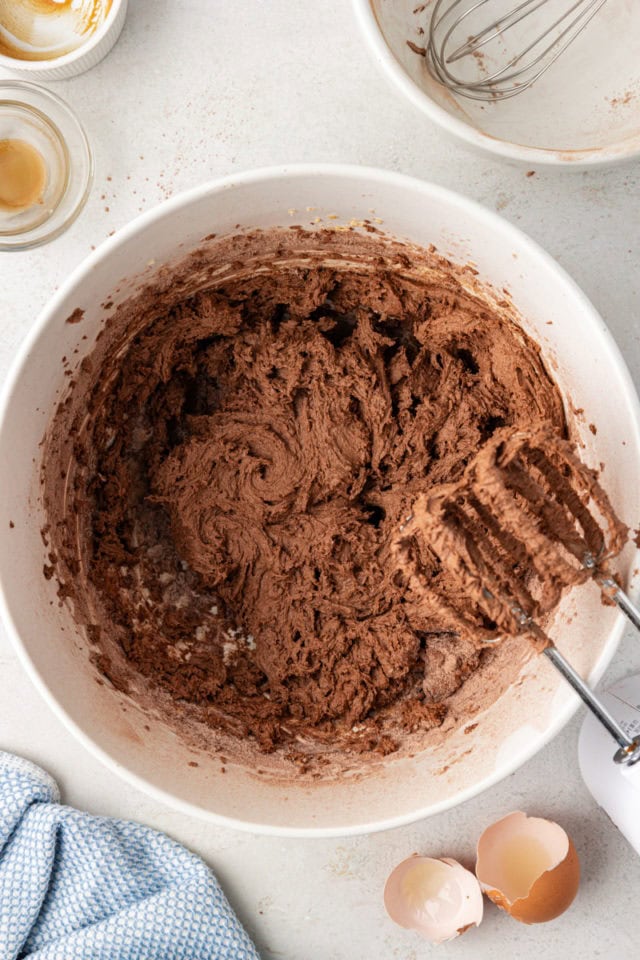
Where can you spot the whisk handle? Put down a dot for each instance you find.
(629, 752)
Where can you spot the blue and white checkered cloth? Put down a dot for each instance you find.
(78, 887)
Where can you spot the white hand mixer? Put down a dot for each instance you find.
(524, 522)
(614, 787)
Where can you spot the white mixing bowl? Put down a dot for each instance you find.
(587, 366)
(584, 111)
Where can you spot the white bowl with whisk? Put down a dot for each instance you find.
(601, 404)
(583, 112)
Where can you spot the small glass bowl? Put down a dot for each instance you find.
(31, 113)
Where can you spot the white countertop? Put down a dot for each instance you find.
(196, 89)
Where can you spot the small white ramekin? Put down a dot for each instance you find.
(77, 61)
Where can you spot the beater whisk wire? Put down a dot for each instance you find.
(499, 26)
(515, 76)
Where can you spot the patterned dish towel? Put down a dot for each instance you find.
(78, 887)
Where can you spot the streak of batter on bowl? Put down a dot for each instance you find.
(225, 475)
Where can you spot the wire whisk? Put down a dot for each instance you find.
(464, 29)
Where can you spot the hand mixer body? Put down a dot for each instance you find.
(614, 787)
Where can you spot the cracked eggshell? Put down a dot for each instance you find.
(437, 898)
(529, 867)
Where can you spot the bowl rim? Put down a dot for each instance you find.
(624, 151)
(139, 224)
(52, 63)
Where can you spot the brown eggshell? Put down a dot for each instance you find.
(551, 894)
(528, 866)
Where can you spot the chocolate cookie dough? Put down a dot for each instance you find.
(226, 477)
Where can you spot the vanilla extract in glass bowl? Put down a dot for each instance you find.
(46, 165)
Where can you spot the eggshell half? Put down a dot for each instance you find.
(439, 899)
(529, 867)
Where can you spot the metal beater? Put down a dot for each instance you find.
(526, 520)
(463, 29)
